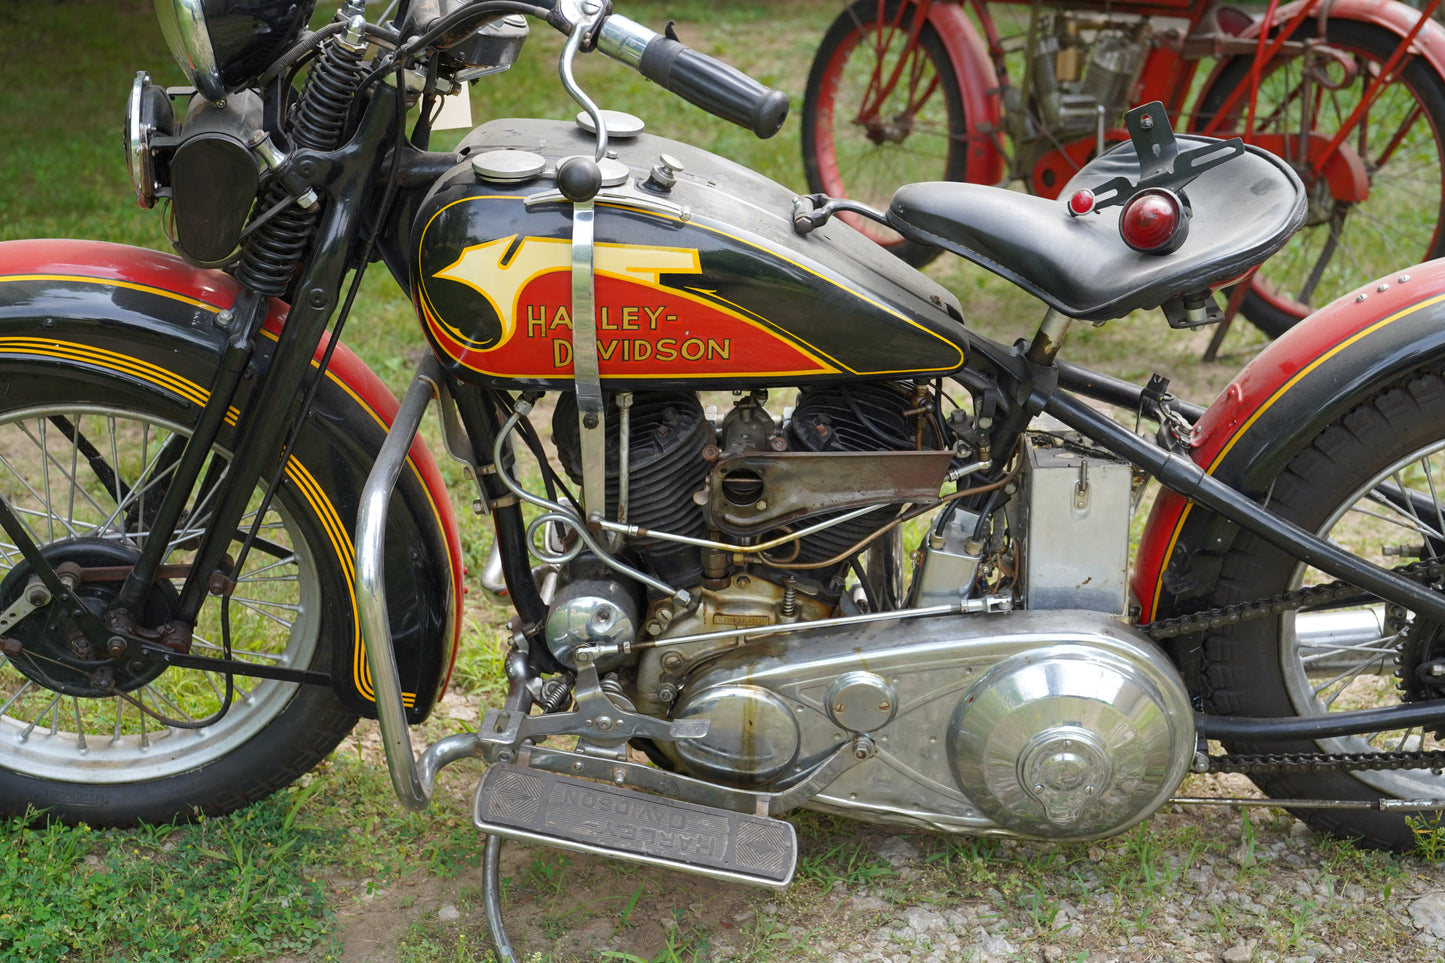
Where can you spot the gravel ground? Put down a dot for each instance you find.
(1192, 883)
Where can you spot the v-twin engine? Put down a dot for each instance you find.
(1059, 724)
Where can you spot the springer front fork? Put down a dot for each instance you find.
(265, 416)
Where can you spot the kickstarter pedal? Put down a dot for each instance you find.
(577, 814)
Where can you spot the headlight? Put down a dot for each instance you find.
(223, 45)
(147, 115)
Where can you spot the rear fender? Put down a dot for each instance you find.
(1324, 366)
(110, 311)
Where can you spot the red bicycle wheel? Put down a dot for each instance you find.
(1378, 203)
(882, 109)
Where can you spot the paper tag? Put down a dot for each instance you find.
(456, 112)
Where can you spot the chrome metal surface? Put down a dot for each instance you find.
(1344, 641)
(751, 735)
(508, 166)
(709, 792)
(932, 665)
(620, 125)
(183, 23)
(562, 810)
(138, 148)
(614, 172)
(949, 562)
(584, 18)
(591, 612)
(413, 782)
(1073, 743)
(861, 701)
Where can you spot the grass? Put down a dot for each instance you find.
(234, 888)
(290, 878)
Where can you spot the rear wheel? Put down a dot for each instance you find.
(1397, 145)
(112, 741)
(1372, 482)
(882, 109)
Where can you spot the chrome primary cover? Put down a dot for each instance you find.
(1057, 724)
(1063, 743)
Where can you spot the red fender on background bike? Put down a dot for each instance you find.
(895, 97)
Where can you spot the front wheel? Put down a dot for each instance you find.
(882, 109)
(84, 461)
(1372, 482)
(1395, 148)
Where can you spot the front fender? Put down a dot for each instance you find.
(978, 87)
(110, 311)
(1319, 370)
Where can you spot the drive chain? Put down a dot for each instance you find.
(1281, 762)
(1425, 572)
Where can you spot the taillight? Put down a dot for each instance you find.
(1081, 203)
(1154, 222)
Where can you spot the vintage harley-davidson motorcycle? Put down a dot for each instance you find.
(887, 576)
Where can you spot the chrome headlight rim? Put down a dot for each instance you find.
(183, 22)
(137, 143)
(148, 115)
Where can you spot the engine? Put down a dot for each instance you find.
(1054, 719)
(1083, 74)
(751, 478)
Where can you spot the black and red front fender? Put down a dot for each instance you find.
(1331, 362)
(109, 311)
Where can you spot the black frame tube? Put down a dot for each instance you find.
(1430, 714)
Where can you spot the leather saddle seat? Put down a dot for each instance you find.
(1243, 210)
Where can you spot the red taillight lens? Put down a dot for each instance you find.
(1081, 203)
(1153, 222)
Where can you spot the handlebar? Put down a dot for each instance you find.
(703, 81)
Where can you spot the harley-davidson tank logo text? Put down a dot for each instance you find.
(518, 317)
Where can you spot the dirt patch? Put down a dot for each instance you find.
(1191, 883)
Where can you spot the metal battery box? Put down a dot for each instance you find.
(1078, 501)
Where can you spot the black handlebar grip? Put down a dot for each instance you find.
(714, 86)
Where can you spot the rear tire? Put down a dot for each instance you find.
(1262, 668)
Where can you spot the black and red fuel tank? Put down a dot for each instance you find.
(703, 282)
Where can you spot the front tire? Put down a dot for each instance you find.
(1351, 485)
(83, 460)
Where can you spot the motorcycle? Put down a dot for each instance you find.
(905, 596)
(1350, 93)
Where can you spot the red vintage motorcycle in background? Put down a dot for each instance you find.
(891, 579)
(1351, 93)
